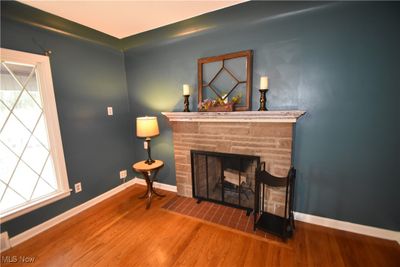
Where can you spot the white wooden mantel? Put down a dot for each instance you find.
(288, 116)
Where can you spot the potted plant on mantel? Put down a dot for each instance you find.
(218, 105)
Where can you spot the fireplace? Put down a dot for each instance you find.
(224, 178)
(267, 135)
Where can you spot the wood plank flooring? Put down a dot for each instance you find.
(214, 213)
(121, 232)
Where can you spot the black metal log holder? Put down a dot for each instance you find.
(282, 226)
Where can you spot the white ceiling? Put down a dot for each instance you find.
(128, 17)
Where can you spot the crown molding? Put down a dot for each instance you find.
(25, 14)
(233, 17)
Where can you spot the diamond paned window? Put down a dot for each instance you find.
(28, 173)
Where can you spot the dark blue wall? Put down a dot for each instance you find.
(87, 78)
(338, 61)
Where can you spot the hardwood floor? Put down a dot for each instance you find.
(121, 232)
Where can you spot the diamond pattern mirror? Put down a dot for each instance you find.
(226, 77)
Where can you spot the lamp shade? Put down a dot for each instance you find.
(147, 126)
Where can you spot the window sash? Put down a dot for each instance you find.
(43, 75)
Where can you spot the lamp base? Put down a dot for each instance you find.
(149, 161)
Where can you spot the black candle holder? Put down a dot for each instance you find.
(186, 103)
(263, 100)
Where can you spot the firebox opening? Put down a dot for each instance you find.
(224, 178)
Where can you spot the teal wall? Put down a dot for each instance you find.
(87, 78)
(337, 61)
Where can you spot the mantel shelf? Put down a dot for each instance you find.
(288, 116)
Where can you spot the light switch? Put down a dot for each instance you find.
(109, 111)
(145, 145)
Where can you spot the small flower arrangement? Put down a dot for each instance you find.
(218, 104)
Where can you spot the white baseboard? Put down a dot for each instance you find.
(18, 239)
(166, 187)
(331, 223)
(4, 242)
(347, 226)
(66, 215)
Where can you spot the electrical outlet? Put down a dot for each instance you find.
(123, 174)
(110, 111)
(78, 187)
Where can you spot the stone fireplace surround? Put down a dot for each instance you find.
(268, 134)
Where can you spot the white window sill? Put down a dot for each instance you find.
(9, 215)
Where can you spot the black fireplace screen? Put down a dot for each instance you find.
(224, 178)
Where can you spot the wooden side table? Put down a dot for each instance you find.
(146, 170)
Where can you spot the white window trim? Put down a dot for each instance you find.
(33, 205)
(43, 72)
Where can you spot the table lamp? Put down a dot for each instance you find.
(147, 127)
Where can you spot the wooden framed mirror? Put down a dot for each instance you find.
(225, 77)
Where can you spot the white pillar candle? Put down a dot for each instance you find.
(264, 83)
(186, 89)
